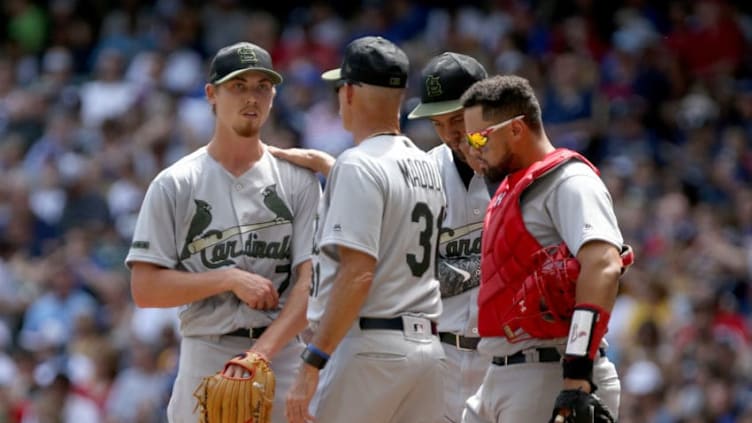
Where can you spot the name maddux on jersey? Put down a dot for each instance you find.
(420, 174)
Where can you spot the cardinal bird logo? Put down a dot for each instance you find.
(201, 220)
(275, 204)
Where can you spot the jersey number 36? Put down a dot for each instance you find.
(427, 240)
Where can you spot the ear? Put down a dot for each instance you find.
(274, 95)
(518, 126)
(210, 90)
(349, 92)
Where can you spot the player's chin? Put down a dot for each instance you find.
(246, 130)
(494, 175)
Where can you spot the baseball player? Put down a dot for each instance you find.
(375, 298)
(225, 233)
(551, 261)
(443, 81)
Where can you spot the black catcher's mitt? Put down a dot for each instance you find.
(576, 406)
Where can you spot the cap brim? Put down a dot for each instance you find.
(332, 75)
(273, 76)
(435, 109)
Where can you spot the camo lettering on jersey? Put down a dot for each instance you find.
(420, 174)
(383, 198)
(196, 217)
(217, 247)
(460, 244)
(456, 245)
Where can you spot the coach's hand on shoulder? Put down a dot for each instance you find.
(255, 290)
(315, 160)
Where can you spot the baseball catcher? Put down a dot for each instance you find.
(223, 399)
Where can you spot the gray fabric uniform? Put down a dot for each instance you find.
(570, 204)
(383, 198)
(459, 255)
(198, 217)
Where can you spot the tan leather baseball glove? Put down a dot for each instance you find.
(223, 399)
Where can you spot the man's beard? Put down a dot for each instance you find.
(495, 175)
(245, 131)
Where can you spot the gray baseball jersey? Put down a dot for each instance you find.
(569, 204)
(198, 217)
(389, 201)
(558, 208)
(460, 238)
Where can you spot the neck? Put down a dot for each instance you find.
(236, 154)
(374, 110)
(539, 148)
(368, 131)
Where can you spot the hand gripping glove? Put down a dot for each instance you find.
(576, 406)
(223, 399)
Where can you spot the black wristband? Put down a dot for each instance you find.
(579, 368)
(311, 357)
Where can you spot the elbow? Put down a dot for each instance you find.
(142, 288)
(139, 294)
(363, 281)
(610, 272)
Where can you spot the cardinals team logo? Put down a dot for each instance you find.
(247, 55)
(202, 218)
(218, 247)
(275, 204)
(433, 86)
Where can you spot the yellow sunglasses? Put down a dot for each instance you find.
(479, 139)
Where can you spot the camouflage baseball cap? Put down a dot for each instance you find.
(373, 61)
(443, 81)
(235, 59)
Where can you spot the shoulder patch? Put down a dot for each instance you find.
(141, 245)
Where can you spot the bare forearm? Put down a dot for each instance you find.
(600, 268)
(292, 319)
(598, 286)
(349, 292)
(159, 287)
(315, 160)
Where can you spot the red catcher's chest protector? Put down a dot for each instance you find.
(523, 285)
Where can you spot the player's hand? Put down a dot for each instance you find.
(315, 160)
(233, 370)
(300, 394)
(239, 372)
(255, 290)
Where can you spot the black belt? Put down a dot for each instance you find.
(390, 324)
(533, 355)
(458, 341)
(253, 333)
(536, 355)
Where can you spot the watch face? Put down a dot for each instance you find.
(313, 359)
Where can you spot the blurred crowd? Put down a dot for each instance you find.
(96, 97)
